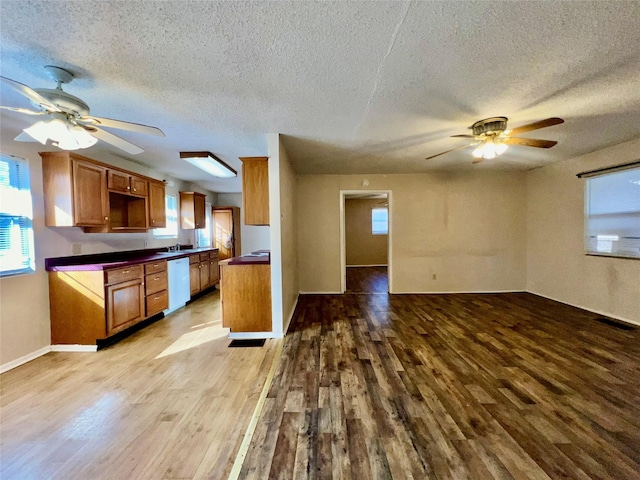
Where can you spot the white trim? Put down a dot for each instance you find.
(24, 359)
(74, 348)
(373, 265)
(253, 335)
(598, 312)
(320, 293)
(253, 423)
(293, 310)
(343, 248)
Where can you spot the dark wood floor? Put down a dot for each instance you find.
(450, 386)
(367, 280)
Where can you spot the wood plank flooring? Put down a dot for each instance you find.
(170, 402)
(367, 280)
(477, 386)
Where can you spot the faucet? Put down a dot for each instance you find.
(174, 248)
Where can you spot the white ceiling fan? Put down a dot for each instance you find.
(66, 121)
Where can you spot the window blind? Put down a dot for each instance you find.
(16, 215)
(612, 220)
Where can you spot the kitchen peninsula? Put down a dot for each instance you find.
(245, 294)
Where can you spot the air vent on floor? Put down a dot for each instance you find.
(614, 323)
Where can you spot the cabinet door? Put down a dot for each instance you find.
(255, 190)
(138, 185)
(118, 181)
(204, 275)
(157, 211)
(89, 194)
(199, 208)
(194, 277)
(214, 273)
(125, 305)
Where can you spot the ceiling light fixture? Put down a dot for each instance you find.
(489, 149)
(208, 162)
(63, 134)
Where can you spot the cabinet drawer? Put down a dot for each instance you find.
(153, 267)
(214, 255)
(155, 282)
(117, 275)
(157, 302)
(204, 257)
(194, 258)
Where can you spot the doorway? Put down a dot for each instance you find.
(365, 240)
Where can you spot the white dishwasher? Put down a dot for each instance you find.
(179, 286)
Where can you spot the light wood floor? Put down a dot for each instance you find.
(170, 402)
(505, 386)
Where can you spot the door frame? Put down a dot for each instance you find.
(343, 242)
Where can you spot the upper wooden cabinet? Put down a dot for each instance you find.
(192, 210)
(123, 182)
(157, 210)
(81, 192)
(255, 190)
(75, 191)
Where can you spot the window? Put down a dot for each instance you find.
(612, 223)
(379, 221)
(16, 214)
(171, 230)
(203, 235)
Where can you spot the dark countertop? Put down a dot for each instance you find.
(103, 261)
(261, 257)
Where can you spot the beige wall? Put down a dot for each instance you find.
(24, 299)
(467, 228)
(556, 264)
(362, 247)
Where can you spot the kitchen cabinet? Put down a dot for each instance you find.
(120, 181)
(214, 269)
(156, 287)
(81, 192)
(124, 297)
(255, 190)
(203, 271)
(192, 210)
(245, 297)
(226, 231)
(75, 191)
(157, 210)
(194, 274)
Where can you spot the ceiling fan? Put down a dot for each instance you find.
(493, 138)
(67, 122)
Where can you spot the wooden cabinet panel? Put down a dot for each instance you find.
(226, 231)
(194, 277)
(204, 274)
(155, 282)
(246, 297)
(125, 305)
(214, 270)
(89, 194)
(157, 211)
(153, 267)
(255, 190)
(157, 302)
(138, 185)
(117, 275)
(192, 210)
(118, 181)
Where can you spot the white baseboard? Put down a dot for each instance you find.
(598, 312)
(74, 348)
(374, 265)
(293, 310)
(253, 335)
(24, 359)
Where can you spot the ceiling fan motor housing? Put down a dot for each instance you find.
(490, 126)
(64, 101)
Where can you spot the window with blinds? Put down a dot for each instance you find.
(16, 215)
(612, 220)
(203, 235)
(379, 221)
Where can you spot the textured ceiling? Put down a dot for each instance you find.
(355, 87)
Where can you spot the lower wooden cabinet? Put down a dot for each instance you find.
(214, 269)
(245, 297)
(203, 271)
(125, 305)
(156, 285)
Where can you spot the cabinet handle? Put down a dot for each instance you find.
(157, 278)
(157, 298)
(126, 271)
(155, 264)
(129, 188)
(106, 218)
(135, 190)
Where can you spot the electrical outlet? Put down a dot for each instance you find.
(76, 249)
(434, 276)
(146, 244)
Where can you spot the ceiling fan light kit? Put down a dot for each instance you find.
(208, 162)
(69, 126)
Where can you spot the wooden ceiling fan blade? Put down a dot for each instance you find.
(26, 111)
(529, 142)
(110, 123)
(442, 153)
(29, 93)
(548, 122)
(114, 140)
(463, 136)
(477, 160)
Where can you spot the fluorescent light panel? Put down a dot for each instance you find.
(208, 162)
